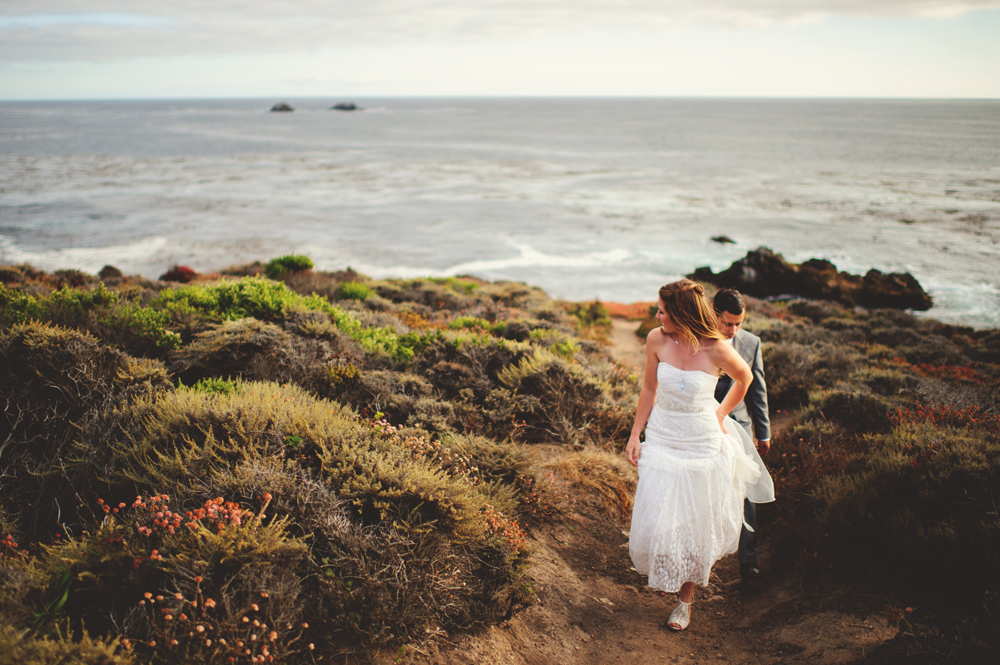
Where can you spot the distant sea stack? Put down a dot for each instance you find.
(344, 106)
(281, 107)
(763, 272)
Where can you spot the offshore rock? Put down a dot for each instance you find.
(344, 106)
(281, 107)
(763, 272)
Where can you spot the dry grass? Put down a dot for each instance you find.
(603, 475)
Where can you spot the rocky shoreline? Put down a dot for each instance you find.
(764, 273)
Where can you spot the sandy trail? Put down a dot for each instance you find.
(592, 608)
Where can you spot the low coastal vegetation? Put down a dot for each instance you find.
(250, 470)
(278, 464)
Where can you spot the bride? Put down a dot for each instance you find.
(696, 464)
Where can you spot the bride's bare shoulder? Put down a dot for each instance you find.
(712, 345)
(716, 348)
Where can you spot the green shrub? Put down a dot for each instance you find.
(592, 319)
(464, 285)
(231, 300)
(220, 386)
(281, 266)
(140, 330)
(273, 302)
(556, 342)
(477, 324)
(353, 291)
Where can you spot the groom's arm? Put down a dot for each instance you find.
(756, 399)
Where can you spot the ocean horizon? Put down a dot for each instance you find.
(593, 197)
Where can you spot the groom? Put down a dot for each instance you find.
(751, 413)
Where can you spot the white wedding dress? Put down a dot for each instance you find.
(688, 506)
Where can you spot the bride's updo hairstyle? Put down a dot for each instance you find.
(684, 301)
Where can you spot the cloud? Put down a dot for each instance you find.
(60, 30)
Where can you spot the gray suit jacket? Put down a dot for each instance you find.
(753, 408)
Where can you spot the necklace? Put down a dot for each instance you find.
(676, 343)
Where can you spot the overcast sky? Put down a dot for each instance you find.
(118, 49)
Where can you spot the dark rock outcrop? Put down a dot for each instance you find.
(281, 107)
(344, 106)
(723, 240)
(763, 272)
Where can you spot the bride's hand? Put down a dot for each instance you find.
(722, 421)
(632, 450)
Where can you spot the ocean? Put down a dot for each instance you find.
(587, 198)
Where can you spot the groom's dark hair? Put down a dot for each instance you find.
(729, 300)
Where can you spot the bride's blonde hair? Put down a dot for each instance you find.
(684, 301)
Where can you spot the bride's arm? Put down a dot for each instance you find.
(647, 397)
(738, 370)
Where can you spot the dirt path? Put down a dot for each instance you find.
(592, 608)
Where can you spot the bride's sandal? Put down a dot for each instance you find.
(680, 617)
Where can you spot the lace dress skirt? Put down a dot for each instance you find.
(688, 507)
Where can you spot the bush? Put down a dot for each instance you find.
(140, 330)
(178, 581)
(178, 273)
(174, 440)
(395, 394)
(605, 476)
(592, 319)
(815, 310)
(353, 291)
(221, 386)
(251, 350)
(467, 357)
(280, 267)
(793, 369)
(432, 524)
(856, 410)
(25, 648)
(555, 400)
(919, 510)
(376, 585)
(56, 383)
(885, 381)
(274, 303)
